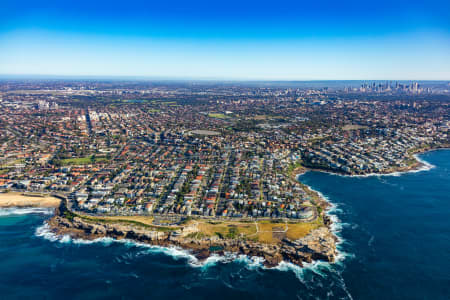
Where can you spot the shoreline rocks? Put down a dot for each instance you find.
(319, 244)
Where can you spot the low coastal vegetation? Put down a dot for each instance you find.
(226, 229)
(268, 232)
(143, 222)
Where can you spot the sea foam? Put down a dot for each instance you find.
(25, 210)
(45, 232)
(177, 253)
(336, 228)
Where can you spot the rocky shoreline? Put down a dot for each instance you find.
(319, 244)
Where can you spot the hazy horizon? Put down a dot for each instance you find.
(200, 78)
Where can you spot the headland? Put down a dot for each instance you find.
(273, 240)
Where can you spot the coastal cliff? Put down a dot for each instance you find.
(318, 244)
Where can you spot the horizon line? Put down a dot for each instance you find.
(174, 78)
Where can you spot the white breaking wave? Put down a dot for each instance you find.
(336, 224)
(316, 267)
(25, 210)
(254, 262)
(45, 232)
(175, 252)
(426, 165)
(319, 268)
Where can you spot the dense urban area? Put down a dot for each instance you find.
(206, 149)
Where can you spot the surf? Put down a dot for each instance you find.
(10, 211)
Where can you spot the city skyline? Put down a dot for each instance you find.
(232, 41)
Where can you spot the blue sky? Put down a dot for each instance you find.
(270, 40)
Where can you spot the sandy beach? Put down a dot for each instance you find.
(19, 200)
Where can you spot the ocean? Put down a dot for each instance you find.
(394, 244)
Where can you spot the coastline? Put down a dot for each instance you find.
(418, 166)
(319, 244)
(335, 224)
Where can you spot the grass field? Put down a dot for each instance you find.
(265, 117)
(218, 116)
(268, 232)
(260, 117)
(14, 162)
(300, 230)
(226, 229)
(353, 127)
(141, 219)
(82, 160)
(138, 221)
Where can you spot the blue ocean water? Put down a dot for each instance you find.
(395, 234)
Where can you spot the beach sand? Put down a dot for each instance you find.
(19, 200)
